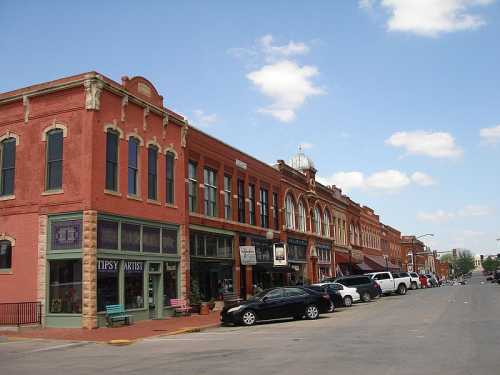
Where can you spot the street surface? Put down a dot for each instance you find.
(449, 330)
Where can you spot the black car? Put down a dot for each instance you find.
(332, 291)
(365, 285)
(278, 303)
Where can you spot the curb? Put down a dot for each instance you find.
(191, 330)
(120, 342)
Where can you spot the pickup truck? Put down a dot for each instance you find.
(391, 282)
(414, 279)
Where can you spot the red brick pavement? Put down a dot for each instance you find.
(140, 329)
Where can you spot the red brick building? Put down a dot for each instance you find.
(92, 199)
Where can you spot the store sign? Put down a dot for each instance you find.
(131, 266)
(279, 254)
(241, 164)
(107, 265)
(248, 256)
(66, 235)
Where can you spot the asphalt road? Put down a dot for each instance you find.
(449, 330)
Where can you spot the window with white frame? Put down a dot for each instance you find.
(326, 224)
(302, 217)
(289, 212)
(317, 220)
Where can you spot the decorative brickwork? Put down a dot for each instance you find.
(41, 292)
(89, 311)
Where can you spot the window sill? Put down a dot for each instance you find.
(170, 205)
(152, 201)
(112, 192)
(134, 197)
(7, 197)
(6, 271)
(53, 192)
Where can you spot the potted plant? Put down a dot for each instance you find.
(194, 297)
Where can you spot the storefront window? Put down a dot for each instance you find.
(150, 239)
(65, 287)
(211, 250)
(5, 255)
(169, 283)
(224, 248)
(107, 234)
(210, 245)
(131, 237)
(169, 241)
(107, 283)
(297, 250)
(134, 284)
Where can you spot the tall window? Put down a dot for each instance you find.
(227, 197)
(5, 255)
(210, 192)
(54, 160)
(169, 173)
(133, 165)
(241, 201)
(193, 187)
(251, 198)
(264, 208)
(339, 231)
(326, 224)
(8, 166)
(351, 234)
(289, 213)
(317, 220)
(112, 160)
(276, 211)
(152, 172)
(302, 217)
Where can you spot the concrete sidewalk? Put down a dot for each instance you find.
(138, 330)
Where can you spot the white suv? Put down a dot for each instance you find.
(349, 295)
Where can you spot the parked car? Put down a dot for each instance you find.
(391, 282)
(414, 279)
(278, 303)
(335, 297)
(366, 287)
(347, 295)
(432, 281)
(496, 276)
(423, 281)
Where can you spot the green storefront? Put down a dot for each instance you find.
(137, 265)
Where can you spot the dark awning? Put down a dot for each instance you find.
(380, 263)
(363, 267)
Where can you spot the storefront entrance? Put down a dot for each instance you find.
(214, 279)
(154, 296)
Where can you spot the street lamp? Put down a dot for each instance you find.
(413, 247)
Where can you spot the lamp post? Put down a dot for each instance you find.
(413, 259)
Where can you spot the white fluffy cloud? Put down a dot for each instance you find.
(422, 179)
(204, 119)
(430, 17)
(435, 145)
(490, 135)
(383, 181)
(287, 84)
(440, 216)
(272, 51)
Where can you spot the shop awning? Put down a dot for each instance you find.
(379, 263)
(363, 267)
(343, 258)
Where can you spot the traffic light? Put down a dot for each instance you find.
(454, 253)
(482, 258)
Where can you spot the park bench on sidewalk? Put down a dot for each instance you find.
(180, 306)
(116, 313)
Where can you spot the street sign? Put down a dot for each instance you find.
(247, 256)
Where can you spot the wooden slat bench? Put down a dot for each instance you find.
(116, 313)
(180, 306)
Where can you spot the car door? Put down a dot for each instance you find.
(272, 304)
(385, 282)
(295, 302)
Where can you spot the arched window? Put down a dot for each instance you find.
(7, 166)
(152, 172)
(5, 255)
(54, 167)
(133, 166)
(326, 224)
(302, 217)
(289, 212)
(112, 160)
(169, 173)
(351, 233)
(317, 221)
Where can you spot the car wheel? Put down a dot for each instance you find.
(331, 308)
(365, 297)
(402, 289)
(414, 286)
(248, 318)
(312, 312)
(347, 301)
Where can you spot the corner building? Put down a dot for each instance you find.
(92, 208)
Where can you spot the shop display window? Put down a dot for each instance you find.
(107, 283)
(134, 284)
(65, 286)
(169, 282)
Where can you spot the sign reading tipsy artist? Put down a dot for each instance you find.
(107, 265)
(248, 256)
(279, 254)
(131, 266)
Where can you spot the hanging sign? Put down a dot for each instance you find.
(248, 256)
(279, 254)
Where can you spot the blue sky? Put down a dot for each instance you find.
(396, 101)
